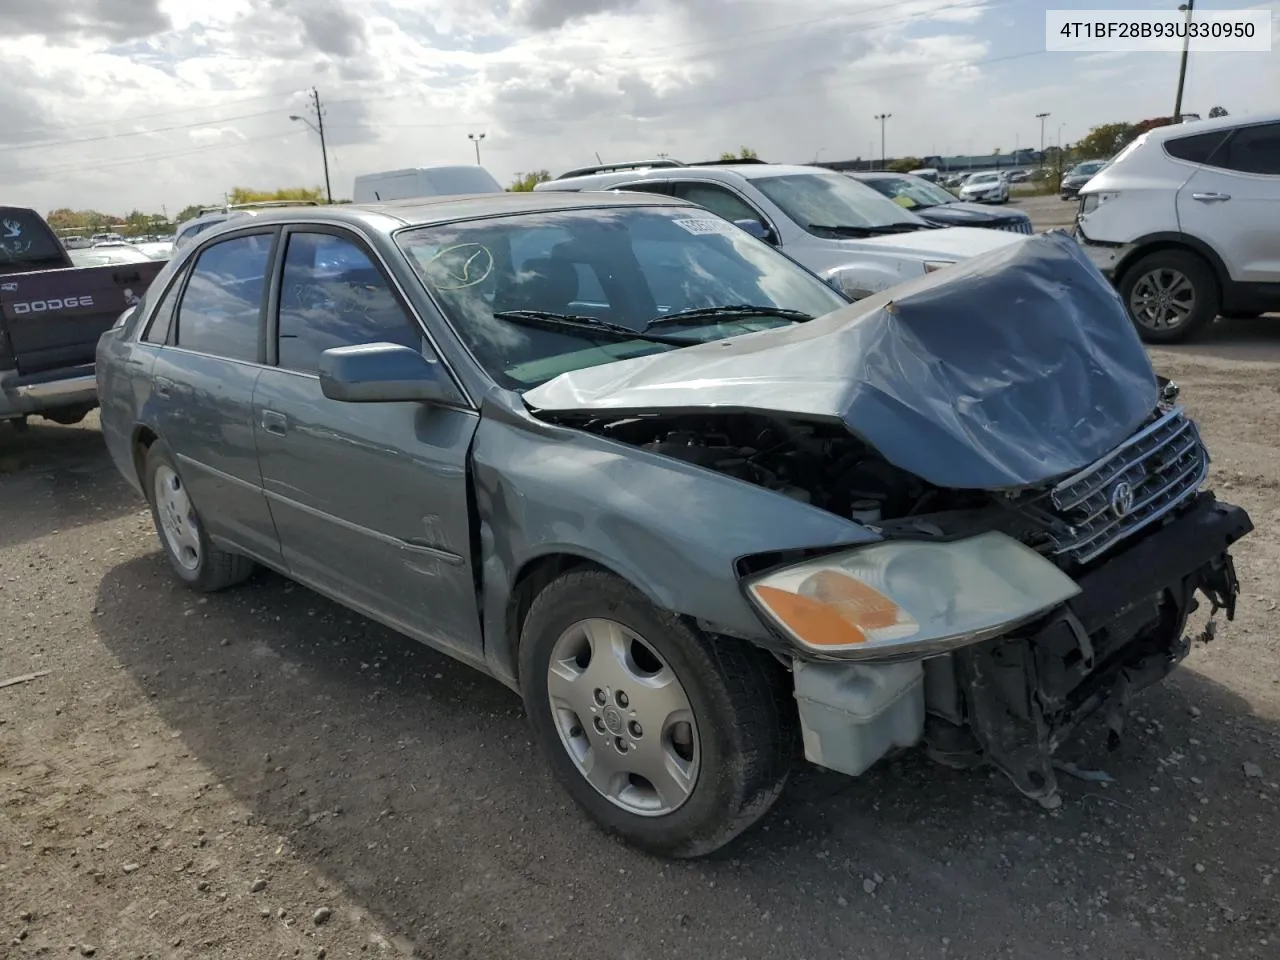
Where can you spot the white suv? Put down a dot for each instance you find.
(858, 240)
(1186, 223)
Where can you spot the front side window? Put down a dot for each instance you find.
(221, 308)
(332, 295)
(832, 199)
(497, 279)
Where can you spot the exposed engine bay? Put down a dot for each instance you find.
(821, 464)
(1131, 529)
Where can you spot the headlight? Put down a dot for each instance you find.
(932, 265)
(906, 599)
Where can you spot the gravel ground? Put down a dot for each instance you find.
(260, 773)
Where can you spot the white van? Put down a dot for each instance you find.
(423, 182)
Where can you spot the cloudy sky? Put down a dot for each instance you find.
(116, 104)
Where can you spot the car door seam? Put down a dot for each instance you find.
(454, 559)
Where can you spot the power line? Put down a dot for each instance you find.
(145, 158)
(139, 133)
(656, 54)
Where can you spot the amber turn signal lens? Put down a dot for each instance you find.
(831, 609)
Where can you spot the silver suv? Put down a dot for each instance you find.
(842, 230)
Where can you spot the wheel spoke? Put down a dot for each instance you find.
(567, 687)
(602, 772)
(670, 776)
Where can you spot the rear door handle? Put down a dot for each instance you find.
(1211, 197)
(276, 423)
(163, 387)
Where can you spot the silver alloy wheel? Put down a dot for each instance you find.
(1162, 299)
(177, 517)
(623, 717)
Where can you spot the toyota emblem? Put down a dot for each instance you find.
(1121, 499)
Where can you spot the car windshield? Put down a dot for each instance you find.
(913, 193)
(832, 198)
(984, 178)
(1086, 168)
(537, 295)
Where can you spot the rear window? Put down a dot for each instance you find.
(26, 242)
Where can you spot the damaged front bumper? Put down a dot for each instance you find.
(1012, 700)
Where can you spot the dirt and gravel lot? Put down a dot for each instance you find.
(261, 774)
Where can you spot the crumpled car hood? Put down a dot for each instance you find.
(1004, 371)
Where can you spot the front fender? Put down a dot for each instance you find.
(672, 529)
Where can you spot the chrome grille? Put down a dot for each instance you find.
(1133, 486)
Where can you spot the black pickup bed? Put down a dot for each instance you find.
(51, 319)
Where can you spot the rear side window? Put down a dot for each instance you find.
(718, 200)
(221, 308)
(1253, 150)
(26, 243)
(162, 320)
(1198, 148)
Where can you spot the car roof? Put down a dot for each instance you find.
(1169, 131)
(423, 211)
(718, 171)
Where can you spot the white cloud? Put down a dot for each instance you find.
(137, 103)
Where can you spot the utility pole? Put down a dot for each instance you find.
(1040, 117)
(318, 127)
(476, 138)
(1189, 6)
(882, 117)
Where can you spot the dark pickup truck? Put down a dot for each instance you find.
(51, 315)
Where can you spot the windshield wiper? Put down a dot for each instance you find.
(852, 231)
(732, 310)
(547, 320)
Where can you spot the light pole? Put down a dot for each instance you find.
(324, 151)
(1189, 6)
(476, 138)
(882, 117)
(1040, 117)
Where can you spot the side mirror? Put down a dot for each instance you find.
(756, 229)
(384, 373)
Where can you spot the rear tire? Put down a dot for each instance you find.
(1170, 294)
(591, 631)
(197, 562)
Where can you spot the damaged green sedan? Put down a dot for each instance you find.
(703, 514)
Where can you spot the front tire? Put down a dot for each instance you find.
(1170, 294)
(671, 739)
(197, 562)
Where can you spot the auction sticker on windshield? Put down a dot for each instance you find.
(702, 227)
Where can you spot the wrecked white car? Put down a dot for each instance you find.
(701, 512)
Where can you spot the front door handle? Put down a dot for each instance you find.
(1211, 197)
(276, 423)
(162, 387)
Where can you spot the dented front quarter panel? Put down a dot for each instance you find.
(672, 529)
